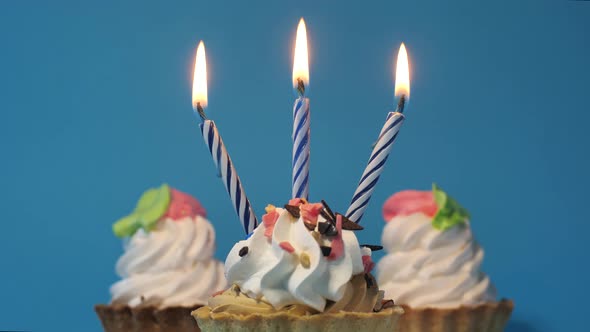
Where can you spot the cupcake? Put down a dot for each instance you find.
(167, 269)
(432, 266)
(302, 269)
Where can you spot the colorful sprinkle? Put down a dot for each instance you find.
(311, 211)
(244, 251)
(297, 201)
(368, 264)
(337, 242)
(269, 220)
(269, 208)
(305, 260)
(287, 247)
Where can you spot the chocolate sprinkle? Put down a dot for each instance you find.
(309, 226)
(387, 304)
(244, 251)
(327, 207)
(350, 225)
(373, 247)
(370, 280)
(327, 229)
(293, 210)
(325, 215)
(326, 250)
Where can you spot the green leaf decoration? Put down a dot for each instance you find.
(126, 226)
(450, 212)
(149, 209)
(152, 205)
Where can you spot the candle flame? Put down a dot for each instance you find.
(402, 74)
(200, 78)
(300, 64)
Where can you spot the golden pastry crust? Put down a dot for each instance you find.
(385, 320)
(487, 317)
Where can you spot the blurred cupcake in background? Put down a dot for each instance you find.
(432, 266)
(167, 268)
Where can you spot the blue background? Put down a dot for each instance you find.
(95, 102)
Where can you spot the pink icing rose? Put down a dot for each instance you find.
(269, 220)
(311, 211)
(408, 202)
(368, 264)
(183, 205)
(337, 242)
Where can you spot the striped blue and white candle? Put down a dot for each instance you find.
(384, 143)
(214, 143)
(301, 117)
(229, 176)
(375, 166)
(301, 149)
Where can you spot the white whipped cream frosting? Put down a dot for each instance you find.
(426, 267)
(276, 276)
(171, 265)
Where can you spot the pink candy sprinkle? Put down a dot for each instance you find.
(368, 264)
(337, 243)
(408, 202)
(311, 211)
(269, 220)
(183, 205)
(287, 247)
(296, 201)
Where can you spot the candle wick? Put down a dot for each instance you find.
(300, 87)
(401, 104)
(201, 112)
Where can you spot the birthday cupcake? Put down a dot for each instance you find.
(167, 268)
(302, 269)
(433, 266)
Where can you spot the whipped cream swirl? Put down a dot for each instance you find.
(426, 267)
(171, 265)
(288, 268)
